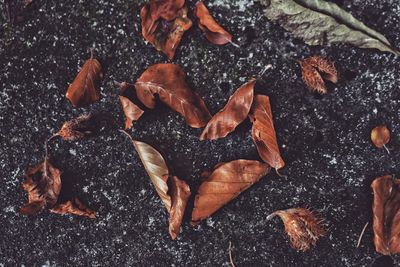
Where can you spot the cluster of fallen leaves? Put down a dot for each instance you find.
(163, 24)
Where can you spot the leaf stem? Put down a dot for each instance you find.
(279, 174)
(361, 235)
(386, 149)
(46, 149)
(269, 66)
(127, 134)
(230, 254)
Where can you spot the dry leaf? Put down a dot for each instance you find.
(131, 110)
(212, 30)
(314, 69)
(380, 136)
(303, 227)
(263, 132)
(165, 9)
(43, 184)
(234, 112)
(174, 197)
(75, 207)
(386, 211)
(320, 22)
(168, 81)
(225, 183)
(165, 35)
(77, 128)
(85, 89)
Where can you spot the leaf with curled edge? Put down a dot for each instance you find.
(225, 183)
(131, 110)
(234, 112)
(74, 207)
(168, 81)
(85, 89)
(165, 35)
(165, 9)
(43, 184)
(263, 132)
(386, 214)
(173, 192)
(77, 128)
(211, 29)
(318, 22)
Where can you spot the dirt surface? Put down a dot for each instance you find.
(324, 140)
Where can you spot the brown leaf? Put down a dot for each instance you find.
(234, 112)
(75, 207)
(303, 227)
(132, 111)
(263, 132)
(212, 30)
(386, 211)
(165, 35)
(77, 128)
(225, 183)
(85, 89)
(174, 196)
(165, 9)
(380, 136)
(168, 81)
(43, 184)
(314, 69)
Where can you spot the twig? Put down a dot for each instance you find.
(46, 149)
(362, 234)
(230, 254)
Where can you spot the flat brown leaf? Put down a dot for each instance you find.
(131, 110)
(225, 183)
(43, 184)
(165, 9)
(165, 35)
(303, 227)
(386, 211)
(234, 112)
(85, 89)
(263, 132)
(212, 30)
(77, 128)
(174, 196)
(314, 70)
(168, 81)
(75, 207)
(380, 136)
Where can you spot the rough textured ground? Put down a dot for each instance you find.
(324, 140)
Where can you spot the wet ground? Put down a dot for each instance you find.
(324, 140)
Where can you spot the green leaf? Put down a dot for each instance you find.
(318, 22)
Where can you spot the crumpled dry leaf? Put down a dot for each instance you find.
(165, 9)
(75, 207)
(165, 35)
(314, 69)
(173, 192)
(234, 112)
(225, 183)
(131, 110)
(386, 211)
(303, 227)
(85, 89)
(77, 128)
(380, 136)
(318, 22)
(263, 132)
(168, 81)
(212, 30)
(43, 184)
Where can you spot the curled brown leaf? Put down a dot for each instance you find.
(131, 110)
(168, 81)
(225, 183)
(85, 89)
(303, 227)
(212, 30)
(380, 136)
(75, 207)
(77, 128)
(43, 184)
(314, 70)
(234, 112)
(263, 132)
(386, 214)
(165, 9)
(173, 192)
